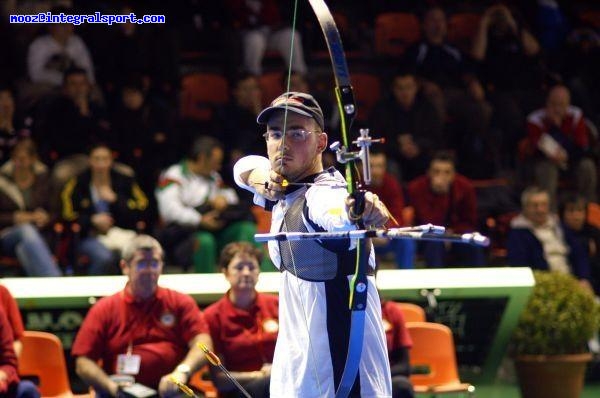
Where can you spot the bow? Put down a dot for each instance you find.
(358, 286)
(347, 109)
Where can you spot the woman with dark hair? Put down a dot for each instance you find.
(108, 205)
(573, 214)
(243, 323)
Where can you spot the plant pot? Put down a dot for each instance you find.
(551, 376)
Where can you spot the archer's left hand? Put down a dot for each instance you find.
(375, 213)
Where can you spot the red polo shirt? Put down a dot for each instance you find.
(244, 339)
(456, 209)
(8, 358)
(390, 193)
(158, 329)
(9, 305)
(396, 333)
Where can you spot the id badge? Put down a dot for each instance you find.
(128, 364)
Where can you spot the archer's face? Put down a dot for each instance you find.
(292, 157)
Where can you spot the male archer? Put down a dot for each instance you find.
(312, 345)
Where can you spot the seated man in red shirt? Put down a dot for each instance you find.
(443, 197)
(243, 324)
(11, 310)
(10, 385)
(398, 343)
(144, 331)
(386, 186)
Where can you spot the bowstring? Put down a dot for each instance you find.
(311, 352)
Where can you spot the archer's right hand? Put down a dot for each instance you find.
(267, 184)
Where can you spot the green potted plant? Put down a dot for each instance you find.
(549, 344)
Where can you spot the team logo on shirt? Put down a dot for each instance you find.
(167, 319)
(387, 326)
(271, 326)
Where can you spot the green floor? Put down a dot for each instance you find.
(512, 391)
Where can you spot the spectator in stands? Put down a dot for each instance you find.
(11, 130)
(143, 133)
(389, 191)
(144, 330)
(73, 121)
(108, 205)
(444, 197)
(304, 84)
(508, 57)
(51, 55)
(581, 61)
(399, 343)
(236, 121)
(10, 384)
(263, 28)
(243, 323)
(456, 91)
(24, 211)
(9, 305)
(410, 124)
(558, 142)
(500, 38)
(200, 214)
(538, 240)
(573, 213)
(130, 49)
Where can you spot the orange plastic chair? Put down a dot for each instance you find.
(394, 32)
(263, 219)
(590, 17)
(462, 28)
(433, 348)
(412, 312)
(43, 357)
(367, 91)
(205, 386)
(200, 92)
(271, 85)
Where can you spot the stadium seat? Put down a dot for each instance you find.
(433, 351)
(205, 386)
(412, 312)
(44, 358)
(462, 28)
(200, 93)
(367, 92)
(394, 32)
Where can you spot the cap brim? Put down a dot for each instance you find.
(263, 117)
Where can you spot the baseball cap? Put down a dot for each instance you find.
(300, 103)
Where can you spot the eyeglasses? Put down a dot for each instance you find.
(143, 264)
(295, 135)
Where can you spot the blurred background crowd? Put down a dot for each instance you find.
(489, 109)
